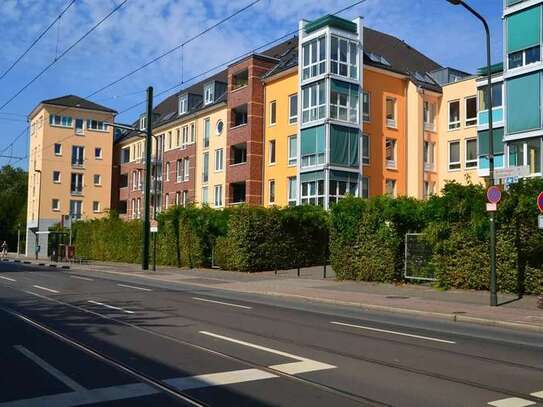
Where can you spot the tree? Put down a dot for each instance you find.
(13, 191)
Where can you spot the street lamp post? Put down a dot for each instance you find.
(493, 292)
(148, 134)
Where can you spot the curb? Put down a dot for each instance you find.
(52, 265)
(372, 307)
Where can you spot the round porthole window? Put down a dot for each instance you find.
(220, 127)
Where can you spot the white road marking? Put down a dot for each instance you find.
(219, 379)
(46, 289)
(368, 328)
(7, 278)
(222, 303)
(82, 278)
(135, 288)
(512, 402)
(538, 394)
(110, 306)
(302, 366)
(50, 369)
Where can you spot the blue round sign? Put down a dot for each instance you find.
(493, 194)
(540, 202)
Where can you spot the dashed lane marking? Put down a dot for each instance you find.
(386, 331)
(222, 303)
(7, 278)
(219, 379)
(512, 402)
(46, 289)
(111, 307)
(82, 278)
(538, 394)
(134, 287)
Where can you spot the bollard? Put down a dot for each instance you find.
(298, 271)
(324, 271)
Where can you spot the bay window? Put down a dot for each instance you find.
(314, 102)
(314, 58)
(344, 57)
(344, 101)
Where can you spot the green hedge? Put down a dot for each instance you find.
(261, 239)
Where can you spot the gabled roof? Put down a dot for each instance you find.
(77, 102)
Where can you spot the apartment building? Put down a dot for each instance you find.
(458, 157)
(69, 171)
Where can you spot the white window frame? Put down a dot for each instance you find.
(273, 113)
(453, 125)
(143, 123)
(292, 156)
(292, 199)
(205, 167)
(454, 165)
(183, 104)
(365, 179)
(470, 121)
(205, 195)
(272, 152)
(167, 170)
(350, 111)
(391, 122)
(306, 199)
(312, 67)
(55, 208)
(218, 201)
(99, 183)
(96, 125)
(523, 58)
(219, 159)
(313, 111)
(292, 119)
(59, 154)
(209, 93)
(393, 162)
(218, 131)
(349, 64)
(470, 164)
(366, 154)
(429, 113)
(207, 132)
(79, 130)
(429, 154)
(186, 169)
(99, 156)
(96, 207)
(394, 184)
(58, 180)
(366, 115)
(271, 197)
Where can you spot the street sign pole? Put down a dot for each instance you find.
(147, 197)
(493, 195)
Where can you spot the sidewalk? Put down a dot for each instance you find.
(423, 300)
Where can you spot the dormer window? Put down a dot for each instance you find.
(143, 123)
(209, 93)
(183, 104)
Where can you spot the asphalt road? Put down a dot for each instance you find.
(73, 338)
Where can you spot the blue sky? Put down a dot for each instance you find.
(143, 29)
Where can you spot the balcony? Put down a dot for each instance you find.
(390, 164)
(238, 154)
(238, 193)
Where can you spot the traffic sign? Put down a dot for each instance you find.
(154, 226)
(515, 171)
(493, 194)
(540, 201)
(540, 221)
(491, 207)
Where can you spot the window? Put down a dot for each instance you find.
(292, 150)
(62, 121)
(390, 150)
(78, 126)
(58, 149)
(240, 79)
(219, 159)
(293, 108)
(271, 197)
(524, 57)
(205, 195)
(533, 153)
(97, 179)
(138, 208)
(167, 170)
(272, 151)
(96, 125)
(312, 193)
(497, 99)
(207, 130)
(77, 156)
(185, 137)
(75, 209)
(292, 191)
(365, 149)
(185, 199)
(192, 132)
(365, 106)
(177, 198)
(471, 111)
(471, 153)
(344, 101)
(313, 58)
(55, 205)
(56, 177)
(365, 188)
(391, 112)
(338, 189)
(344, 57)
(98, 153)
(312, 146)
(134, 180)
(238, 154)
(177, 138)
(205, 170)
(143, 123)
(76, 185)
(273, 113)
(167, 201)
(95, 206)
(169, 140)
(239, 116)
(123, 181)
(218, 196)
(183, 106)
(125, 155)
(219, 127)
(313, 102)
(428, 155)
(178, 170)
(186, 169)
(209, 93)
(390, 187)
(238, 192)
(454, 115)
(428, 189)
(454, 155)
(429, 116)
